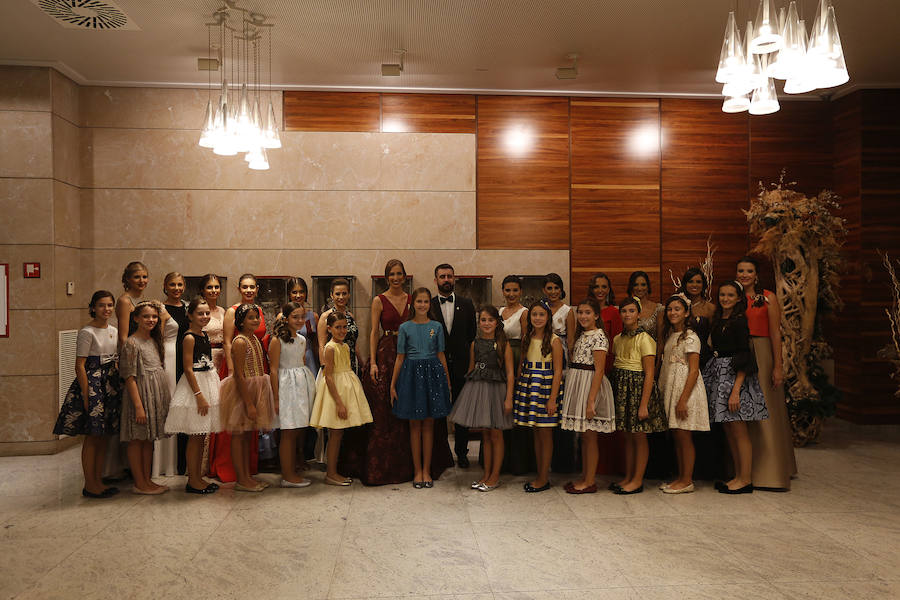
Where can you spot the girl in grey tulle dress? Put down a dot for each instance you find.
(485, 401)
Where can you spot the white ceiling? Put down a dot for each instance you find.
(655, 47)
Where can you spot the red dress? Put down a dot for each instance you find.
(379, 453)
(220, 465)
(612, 447)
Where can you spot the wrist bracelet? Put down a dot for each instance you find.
(198, 393)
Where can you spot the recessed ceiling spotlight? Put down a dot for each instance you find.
(393, 69)
(569, 72)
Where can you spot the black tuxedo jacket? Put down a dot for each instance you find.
(457, 342)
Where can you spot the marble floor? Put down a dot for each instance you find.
(836, 535)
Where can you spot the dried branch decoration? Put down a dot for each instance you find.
(802, 237)
(893, 315)
(706, 267)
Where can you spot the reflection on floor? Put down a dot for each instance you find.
(836, 535)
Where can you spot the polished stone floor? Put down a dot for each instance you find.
(836, 535)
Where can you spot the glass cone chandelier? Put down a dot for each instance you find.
(234, 123)
(777, 45)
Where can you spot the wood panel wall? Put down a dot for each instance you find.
(615, 190)
(523, 172)
(588, 175)
(704, 187)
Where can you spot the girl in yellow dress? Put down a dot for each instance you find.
(340, 401)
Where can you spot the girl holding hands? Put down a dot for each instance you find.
(639, 410)
(588, 405)
(486, 400)
(195, 404)
(420, 384)
(682, 389)
(340, 402)
(541, 371)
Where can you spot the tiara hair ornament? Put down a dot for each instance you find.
(546, 305)
(738, 284)
(684, 297)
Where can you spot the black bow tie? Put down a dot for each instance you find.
(446, 299)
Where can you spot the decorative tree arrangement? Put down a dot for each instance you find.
(891, 352)
(802, 237)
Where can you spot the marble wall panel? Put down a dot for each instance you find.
(74, 318)
(29, 293)
(26, 206)
(28, 408)
(152, 108)
(24, 88)
(282, 219)
(171, 159)
(140, 218)
(64, 95)
(66, 151)
(31, 348)
(66, 215)
(25, 144)
(67, 267)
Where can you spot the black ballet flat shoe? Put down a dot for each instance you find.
(418, 484)
(532, 490)
(462, 462)
(192, 490)
(613, 486)
(428, 484)
(213, 486)
(623, 492)
(110, 491)
(747, 489)
(87, 494)
(718, 484)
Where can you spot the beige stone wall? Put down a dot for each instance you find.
(104, 176)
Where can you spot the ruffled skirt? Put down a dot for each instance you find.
(575, 399)
(183, 416)
(232, 412)
(422, 391)
(480, 406)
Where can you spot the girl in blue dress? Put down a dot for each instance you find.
(420, 385)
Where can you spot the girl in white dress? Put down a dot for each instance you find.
(683, 392)
(165, 451)
(293, 387)
(195, 405)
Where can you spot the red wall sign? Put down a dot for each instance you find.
(31, 270)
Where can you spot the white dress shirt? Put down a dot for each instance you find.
(448, 309)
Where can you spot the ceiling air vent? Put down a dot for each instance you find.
(87, 14)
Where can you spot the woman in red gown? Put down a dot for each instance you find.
(220, 465)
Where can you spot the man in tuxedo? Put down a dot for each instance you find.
(457, 315)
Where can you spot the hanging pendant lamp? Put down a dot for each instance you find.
(767, 37)
(731, 58)
(787, 61)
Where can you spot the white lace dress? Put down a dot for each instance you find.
(672, 378)
(578, 388)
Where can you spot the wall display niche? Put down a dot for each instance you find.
(380, 285)
(476, 288)
(321, 291)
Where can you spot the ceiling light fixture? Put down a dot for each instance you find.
(776, 46)
(235, 122)
(394, 69)
(569, 72)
